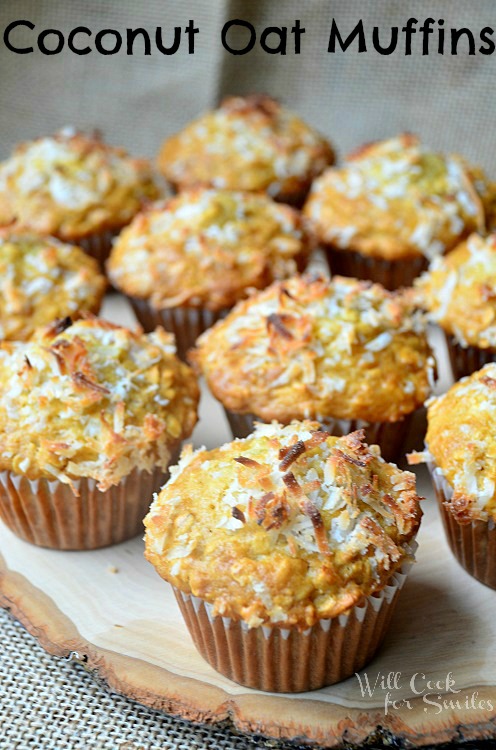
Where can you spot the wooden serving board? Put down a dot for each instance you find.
(109, 610)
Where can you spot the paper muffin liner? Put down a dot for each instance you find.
(49, 514)
(97, 245)
(467, 359)
(287, 660)
(186, 323)
(392, 274)
(390, 436)
(473, 544)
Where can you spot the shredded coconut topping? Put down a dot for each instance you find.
(396, 199)
(208, 247)
(288, 525)
(41, 280)
(309, 346)
(460, 439)
(249, 143)
(70, 185)
(459, 291)
(91, 399)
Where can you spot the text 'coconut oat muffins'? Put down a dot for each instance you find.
(393, 206)
(42, 279)
(344, 352)
(286, 552)
(459, 294)
(248, 143)
(74, 187)
(461, 455)
(91, 415)
(185, 262)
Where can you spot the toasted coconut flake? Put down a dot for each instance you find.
(310, 510)
(60, 326)
(489, 381)
(238, 514)
(350, 459)
(291, 453)
(83, 381)
(380, 539)
(249, 462)
(461, 508)
(271, 511)
(418, 457)
(276, 321)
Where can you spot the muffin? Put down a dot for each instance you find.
(73, 187)
(459, 293)
(248, 143)
(200, 252)
(344, 352)
(394, 206)
(461, 455)
(91, 415)
(42, 279)
(286, 552)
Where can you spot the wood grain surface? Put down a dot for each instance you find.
(109, 610)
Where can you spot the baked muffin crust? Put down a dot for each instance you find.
(248, 143)
(207, 247)
(395, 199)
(459, 292)
(92, 400)
(309, 347)
(71, 185)
(42, 279)
(285, 527)
(460, 439)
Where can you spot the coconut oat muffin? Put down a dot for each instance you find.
(248, 143)
(73, 187)
(91, 415)
(42, 279)
(461, 453)
(200, 252)
(393, 206)
(279, 545)
(345, 352)
(459, 293)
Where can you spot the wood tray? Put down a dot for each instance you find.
(109, 610)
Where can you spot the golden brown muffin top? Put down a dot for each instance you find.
(284, 528)
(207, 247)
(309, 347)
(395, 199)
(248, 143)
(71, 185)
(460, 439)
(42, 279)
(92, 400)
(459, 291)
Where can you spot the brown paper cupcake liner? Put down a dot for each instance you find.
(473, 544)
(287, 660)
(186, 323)
(467, 359)
(390, 436)
(49, 514)
(98, 246)
(392, 274)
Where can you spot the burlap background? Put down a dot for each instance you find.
(51, 704)
(136, 101)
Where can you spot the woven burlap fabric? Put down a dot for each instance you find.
(137, 101)
(48, 703)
